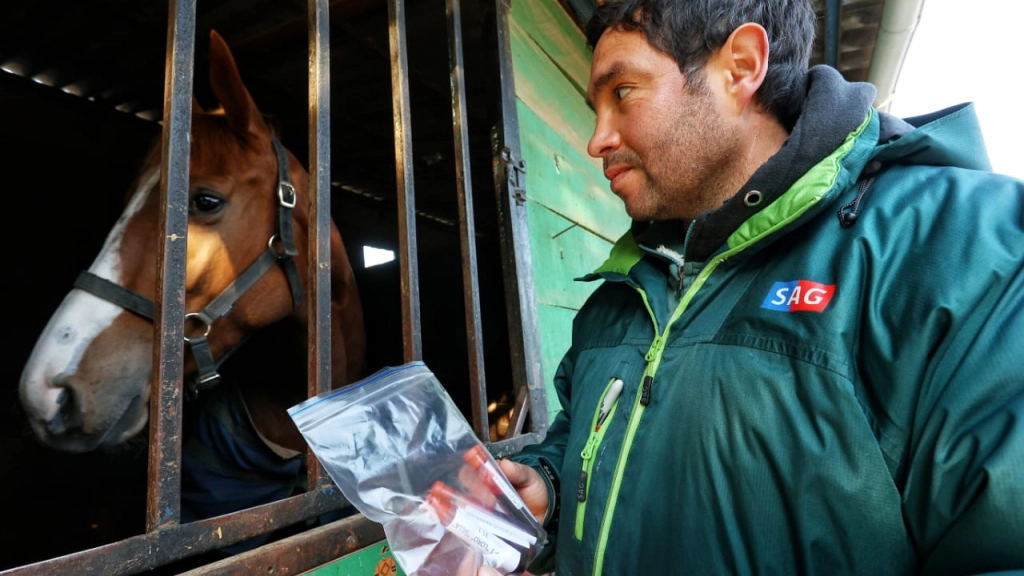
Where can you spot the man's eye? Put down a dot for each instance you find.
(205, 204)
(621, 92)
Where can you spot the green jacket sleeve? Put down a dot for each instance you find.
(963, 494)
(546, 457)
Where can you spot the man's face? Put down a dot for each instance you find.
(664, 144)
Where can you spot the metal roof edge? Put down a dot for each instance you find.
(895, 32)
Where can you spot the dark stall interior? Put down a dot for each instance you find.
(81, 94)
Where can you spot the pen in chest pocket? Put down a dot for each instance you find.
(609, 400)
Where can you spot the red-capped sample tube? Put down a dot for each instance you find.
(499, 541)
(495, 480)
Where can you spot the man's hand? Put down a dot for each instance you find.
(530, 486)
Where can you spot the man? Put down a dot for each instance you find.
(804, 357)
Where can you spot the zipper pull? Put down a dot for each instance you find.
(587, 454)
(656, 347)
(645, 391)
(588, 450)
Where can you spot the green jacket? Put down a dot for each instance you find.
(805, 392)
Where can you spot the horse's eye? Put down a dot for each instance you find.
(203, 203)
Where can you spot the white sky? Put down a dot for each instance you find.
(964, 50)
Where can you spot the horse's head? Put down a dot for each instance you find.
(87, 381)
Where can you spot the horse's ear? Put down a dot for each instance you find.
(227, 86)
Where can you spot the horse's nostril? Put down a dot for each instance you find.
(68, 417)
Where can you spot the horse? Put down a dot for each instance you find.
(86, 385)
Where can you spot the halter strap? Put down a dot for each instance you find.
(113, 292)
(220, 306)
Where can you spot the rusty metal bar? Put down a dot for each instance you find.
(467, 224)
(301, 552)
(412, 346)
(319, 264)
(510, 446)
(517, 264)
(178, 541)
(163, 505)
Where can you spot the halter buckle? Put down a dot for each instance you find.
(286, 194)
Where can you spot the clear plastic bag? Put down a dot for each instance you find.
(403, 454)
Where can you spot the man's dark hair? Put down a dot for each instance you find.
(690, 30)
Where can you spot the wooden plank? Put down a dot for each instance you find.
(561, 252)
(556, 336)
(548, 92)
(574, 217)
(556, 35)
(369, 561)
(565, 181)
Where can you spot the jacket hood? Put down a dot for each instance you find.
(949, 137)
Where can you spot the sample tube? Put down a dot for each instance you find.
(479, 529)
(495, 480)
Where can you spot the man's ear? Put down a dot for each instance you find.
(745, 62)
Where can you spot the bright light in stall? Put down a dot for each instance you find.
(374, 256)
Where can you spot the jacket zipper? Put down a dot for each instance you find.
(609, 401)
(653, 358)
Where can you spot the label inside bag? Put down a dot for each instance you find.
(495, 551)
(493, 525)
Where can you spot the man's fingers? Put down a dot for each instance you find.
(517, 474)
(476, 487)
(530, 486)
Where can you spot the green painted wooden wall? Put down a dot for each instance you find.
(373, 560)
(573, 216)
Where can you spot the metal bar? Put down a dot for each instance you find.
(517, 419)
(510, 446)
(467, 224)
(517, 264)
(319, 264)
(177, 541)
(163, 493)
(412, 346)
(301, 552)
(832, 9)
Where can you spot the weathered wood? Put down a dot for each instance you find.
(369, 561)
(543, 87)
(555, 339)
(563, 251)
(574, 217)
(557, 36)
(566, 181)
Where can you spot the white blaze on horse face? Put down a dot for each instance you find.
(79, 319)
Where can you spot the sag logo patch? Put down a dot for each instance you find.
(799, 296)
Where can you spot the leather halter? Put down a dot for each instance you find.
(284, 253)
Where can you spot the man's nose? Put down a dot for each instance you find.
(604, 140)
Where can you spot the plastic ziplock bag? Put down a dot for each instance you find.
(403, 454)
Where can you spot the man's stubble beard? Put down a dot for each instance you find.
(691, 179)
